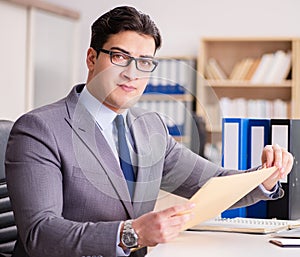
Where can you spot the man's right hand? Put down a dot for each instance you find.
(162, 226)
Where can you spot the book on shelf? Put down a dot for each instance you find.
(273, 67)
(262, 68)
(241, 69)
(235, 70)
(270, 68)
(209, 74)
(273, 74)
(247, 225)
(252, 68)
(172, 76)
(259, 108)
(285, 67)
(248, 62)
(215, 70)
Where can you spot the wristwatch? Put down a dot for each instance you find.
(129, 237)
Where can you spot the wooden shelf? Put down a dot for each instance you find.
(244, 89)
(227, 52)
(243, 84)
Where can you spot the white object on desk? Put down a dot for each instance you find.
(286, 242)
(247, 225)
(293, 233)
(221, 244)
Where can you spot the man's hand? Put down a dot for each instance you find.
(274, 155)
(159, 227)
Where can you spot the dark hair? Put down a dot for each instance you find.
(123, 18)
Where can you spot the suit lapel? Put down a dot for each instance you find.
(86, 132)
(147, 186)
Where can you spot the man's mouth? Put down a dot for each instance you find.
(127, 88)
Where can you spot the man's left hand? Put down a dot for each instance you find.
(274, 155)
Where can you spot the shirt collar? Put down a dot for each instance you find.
(102, 114)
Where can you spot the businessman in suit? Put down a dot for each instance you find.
(71, 192)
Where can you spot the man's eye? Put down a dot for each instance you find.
(145, 62)
(120, 57)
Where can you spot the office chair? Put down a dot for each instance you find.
(8, 229)
(198, 131)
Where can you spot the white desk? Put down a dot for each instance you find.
(220, 244)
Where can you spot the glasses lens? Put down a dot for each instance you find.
(120, 59)
(145, 64)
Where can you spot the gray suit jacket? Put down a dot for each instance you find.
(66, 186)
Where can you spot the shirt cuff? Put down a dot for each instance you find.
(273, 193)
(119, 249)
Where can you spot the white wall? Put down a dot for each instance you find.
(184, 22)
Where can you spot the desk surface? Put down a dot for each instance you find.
(221, 244)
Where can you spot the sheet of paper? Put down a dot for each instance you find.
(220, 193)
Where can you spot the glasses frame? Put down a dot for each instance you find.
(131, 58)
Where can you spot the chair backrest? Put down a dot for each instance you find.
(8, 230)
(199, 131)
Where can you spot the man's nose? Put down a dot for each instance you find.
(131, 71)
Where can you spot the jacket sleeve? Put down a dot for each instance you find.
(36, 186)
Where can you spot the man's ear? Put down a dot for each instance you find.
(91, 58)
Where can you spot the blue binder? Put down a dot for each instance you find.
(285, 132)
(258, 137)
(234, 152)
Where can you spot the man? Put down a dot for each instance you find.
(64, 173)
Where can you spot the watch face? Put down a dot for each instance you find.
(129, 239)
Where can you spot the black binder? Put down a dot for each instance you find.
(286, 133)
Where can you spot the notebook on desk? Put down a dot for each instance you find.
(246, 225)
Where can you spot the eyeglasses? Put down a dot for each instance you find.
(144, 64)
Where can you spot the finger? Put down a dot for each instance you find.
(180, 220)
(285, 160)
(178, 210)
(287, 164)
(268, 156)
(277, 156)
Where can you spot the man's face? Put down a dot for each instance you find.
(119, 87)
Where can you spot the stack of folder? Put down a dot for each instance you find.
(243, 142)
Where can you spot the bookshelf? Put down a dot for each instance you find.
(227, 53)
(170, 91)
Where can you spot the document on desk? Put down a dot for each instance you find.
(220, 193)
